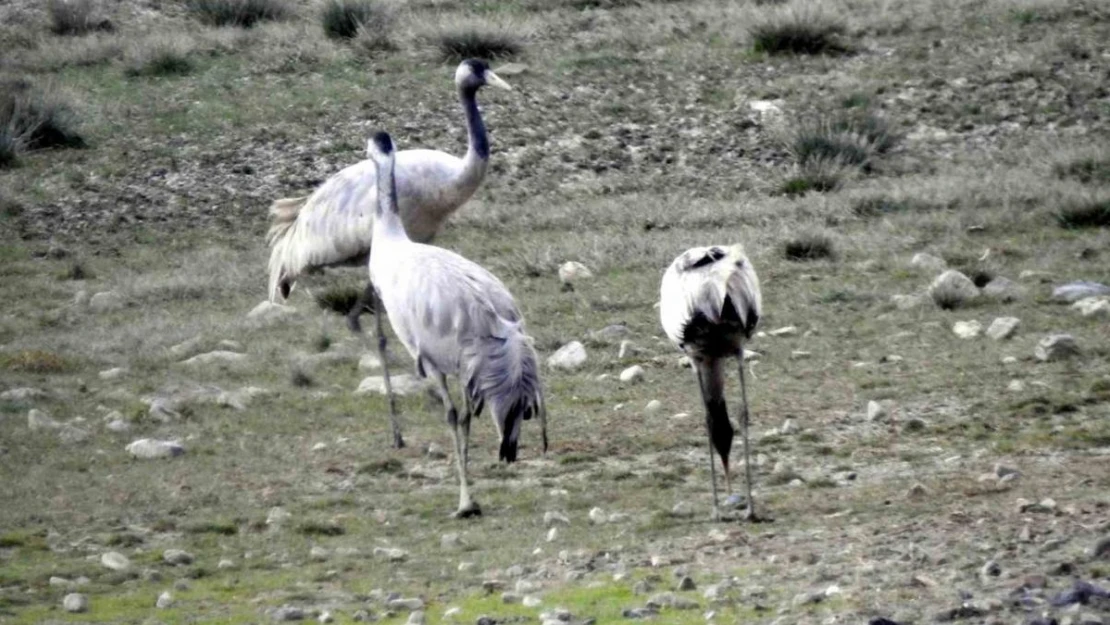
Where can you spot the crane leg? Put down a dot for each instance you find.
(712, 463)
(749, 514)
(398, 442)
(366, 301)
(467, 506)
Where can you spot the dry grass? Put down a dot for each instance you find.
(808, 246)
(347, 19)
(160, 54)
(455, 44)
(850, 137)
(33, 119)
(799, 30)
(76, 17)
(1089, 213)
(241, 13)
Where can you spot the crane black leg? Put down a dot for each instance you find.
(366, 301)
(750, 514)
(398, 442)
(709, 436)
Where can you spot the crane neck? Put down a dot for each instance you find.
(478, 142)
(387, 220)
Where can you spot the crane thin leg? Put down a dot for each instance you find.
(398, 442)
(750, 514)
(368, 298)
(709, 437)
(467, 506)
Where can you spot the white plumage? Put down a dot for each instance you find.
(710, 304)
(334, 225)
(456, 319)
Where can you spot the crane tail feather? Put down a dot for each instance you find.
(503, 374)
(284, 213)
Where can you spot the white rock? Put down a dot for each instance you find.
(60, 581)
(114, 373)
(906, 302)
(1003, 290)
(39, 420)
(1076, 291)
(1093, 307)
(875, 411)
(1056, 347)
(789, 427)
(450, 540)
(369, 362)
(320, 447)
(531, 601)
(928, 262)
(416, 618)
(653, 407)
(569, 357)
(153, 448)
(22, 394)
(573, 271)
(784, 331)
(686, 363)
(552, 518)
(410, 603)
(627, 349)
(277, 515)
(218, 358)
(177, 557)
(270, 311)
(75, 602)
(635, 373)
(952, 289)
(187, 347)
(106, 301)
(115, 561)
(228, 564)
(165, 600)
(163, 410)
(81, 298)
(967, 329)
(1003, 328)
(597, 515)
(71, 435)
(392, 554)
(769, 111)
(318, 553)
(798, 354)
(452, 612)
(325, 617)
(402, 384)
(1015, 386)
(552, 534)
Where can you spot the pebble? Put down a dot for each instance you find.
(118, 425)
(653, 407)
(225, 564)
(928, 262)
(416, 618)
(784, 331)
(597, 515)
(906, 302)
(39, 420)
(875, 411)
(990, 569)
(1093, 307)
(152, 448)
(967, 329)
(288, 613)
(392, 554)
(952, 289)
(177, 557)
(1003, 328)
(411, 604)
(1076, 291)
(635, 373)
(218, 358)
(75, 602)
(325, 617)
(452, 612)
(1101, 550)
(115, 561)
(917, 491)
(552, 534)
(450, 540)
(60, 581)
(1015, 386)
(435, 451)
(627, 349)
(573, 271)
(551, 518)
(165, 600)
(1056, 347)
(22, 393)
(114, 373)
(1003, 290)
(510, 598)
(318, 553)
(568, 357)
(106, 301)
(914, 424)
(401, 384)
(71, 435)
(531, 601)
(789, 426)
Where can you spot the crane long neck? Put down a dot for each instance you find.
(478, 152)
(388, 220)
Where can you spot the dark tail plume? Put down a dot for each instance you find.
(720, 429)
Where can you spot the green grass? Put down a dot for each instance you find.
(1092, 213)
(798, 31)
(344, 19)
(241, 13)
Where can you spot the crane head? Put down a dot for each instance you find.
(475, 74)
(380, 146)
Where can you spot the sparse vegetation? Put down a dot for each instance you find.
(242, 13)
(163, 54)
(853, 137)
(33, 119)
(808, 247)
(798, 31)
(338, 299)
(76, 17)
(1089, 169)
(473, 41)
(35, 361)
(820, 175)
(1090, 213)
(300, 378)
(312, 528)
(346, 19)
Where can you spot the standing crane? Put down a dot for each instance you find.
(334, 225)
(709, 306)
(455, 319)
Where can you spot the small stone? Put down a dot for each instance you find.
(633, 374)
(416, 618)
(637, 613)
(152, 448)
(510, 598)
(277, 515)
(627, 350)
(81, 298)
(571, 272)
(1003, 328)
(682, 510)
(411, 604)
(325, 617)
(38, 420)
(552, 518)
(1003, 290)
(114, 373)
(288, 613)
(1093, 307)
(106, 301)
(402, 384)
(952, 289)
(653, 407)
(22, 394)
(1075, 291)
(1056, 347)
(1101, 550)
(115, 561)
(687, 583)
(686, 363)
(118, 425)
(318, 554)
(177, 557)
(906, 302)
(267, 312)
(784, 331)
(914, 424)
(225, 564)
(800, 354)
(165, 600)
(320, 447)
(875, 411)
(1001, 470)
(789, 427)
(452, 612)
(369, 362)
(569, 357)
(435, 451)
(218, 358)
(597, 515)
(531, 601)
(928, 262)
(60, 581)
(967, 329)
(391, 554)
(552, 534)
(75, 602)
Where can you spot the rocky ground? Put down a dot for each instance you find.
(930, 386)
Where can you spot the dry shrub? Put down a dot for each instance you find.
(344, 19)
(160, 54)
(796, 30)
(240, 13)
(32, 119)
(76, 17)
(477, 42)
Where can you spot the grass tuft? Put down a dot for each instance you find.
(475, 42)
(33, 119)
(241, 13)
(300, 378)
(798, 31)
(1089, 169)
(1092, 213)
(221, 528)
(35, 361)
(385, 465)
(314, 528)
(811, 246)
(850, 137)
(338, 299)
(160, 55)
(877, 206)
(821, 176)
(76, 17)
(346, 19)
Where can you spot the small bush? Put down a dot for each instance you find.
(32, 119)
(820, 176)
(808, 247)
(300, 378)
(222, 528)
(75, 17)
(373, 37)
(35, 361)
(339, 299)
(242, 13)
(877, 206)
(1085, 214)
(797, 31)
(853, 137)
(1086, 169)
(344, 19)
(385, 465)
(160, 55)
(473, 42)
(312, 528)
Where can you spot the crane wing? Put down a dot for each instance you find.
(713, 284)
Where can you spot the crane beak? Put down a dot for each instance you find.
(495, 80)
